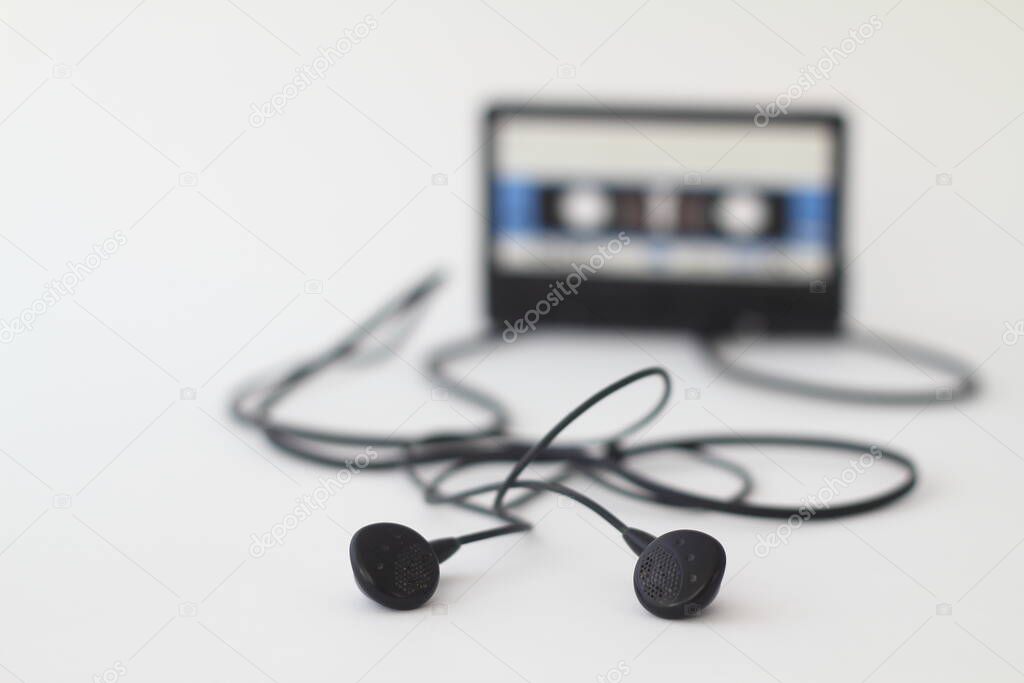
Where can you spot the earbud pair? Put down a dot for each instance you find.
(677, 575)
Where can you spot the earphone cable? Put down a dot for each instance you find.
(605, 462)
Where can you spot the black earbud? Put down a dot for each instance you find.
(395, 566)
(677, 574)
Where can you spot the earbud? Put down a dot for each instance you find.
(677, 574)
(395, 566)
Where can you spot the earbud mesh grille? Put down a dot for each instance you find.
(661, 577)
(414, 570)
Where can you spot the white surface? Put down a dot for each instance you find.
(164, 493)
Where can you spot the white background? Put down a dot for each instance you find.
(127, 511)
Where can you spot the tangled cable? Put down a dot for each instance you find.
(964, 385)
(606, 462)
